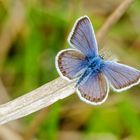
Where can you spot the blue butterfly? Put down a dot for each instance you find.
(94, 75)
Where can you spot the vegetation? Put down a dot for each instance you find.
(31, 34)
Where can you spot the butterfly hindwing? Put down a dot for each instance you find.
(94, 90)
(70, 63)
(121, 76)
(83, 38)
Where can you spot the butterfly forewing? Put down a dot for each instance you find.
(121, 76)
(94, 90)
(82, 37)
(70, 63)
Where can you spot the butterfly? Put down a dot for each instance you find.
(93, 75)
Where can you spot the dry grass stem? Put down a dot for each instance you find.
(113, 18)
(35, 100)
(11, 28)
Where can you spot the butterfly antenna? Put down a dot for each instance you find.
(107, 54)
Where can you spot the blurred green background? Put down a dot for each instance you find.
(31, 34)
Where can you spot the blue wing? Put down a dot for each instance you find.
(70, 63)
(94, 90)
(121, 77)
(83, 38)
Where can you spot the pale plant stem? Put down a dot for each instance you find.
(54, 90)
(12, 27)
(36, 100)
(113, 18)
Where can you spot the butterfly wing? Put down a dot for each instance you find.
(121, 77)
(70, 63)
(82, 37)
(94, 90)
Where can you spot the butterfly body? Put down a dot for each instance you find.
(94, 66)
(93, 74)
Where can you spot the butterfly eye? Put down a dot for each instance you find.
(102, 57)
(89, 58)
